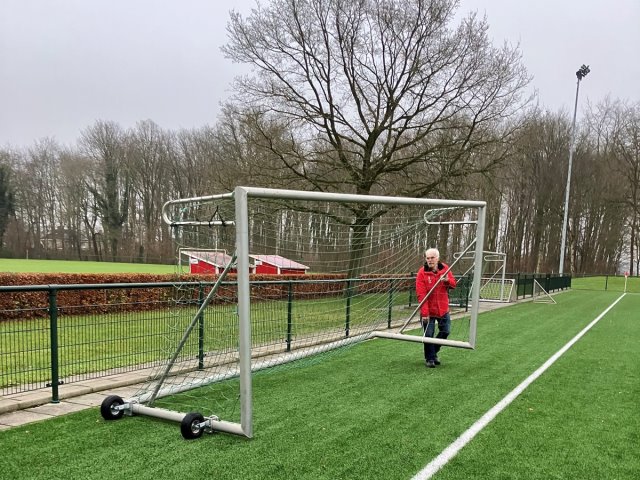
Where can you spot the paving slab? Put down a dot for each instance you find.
(88, 400)
(8, 405)
(32, 399)
(124, 392)
(55, 409)
(73, 390)
(22, 417)
(106, 383)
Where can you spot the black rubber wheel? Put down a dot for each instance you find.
(190, 426)
(107, 409)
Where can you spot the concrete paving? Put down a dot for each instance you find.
(28, 407)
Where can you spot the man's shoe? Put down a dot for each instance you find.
(431, 364)
(436, 361)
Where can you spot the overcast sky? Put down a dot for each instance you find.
(66, 63)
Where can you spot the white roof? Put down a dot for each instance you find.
(278, 261)
(222, 259)
(218, 258)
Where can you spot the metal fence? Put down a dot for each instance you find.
(60, 343)
(550, 282)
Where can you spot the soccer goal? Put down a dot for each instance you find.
(494, 286)
(540, 295)
(305, 275)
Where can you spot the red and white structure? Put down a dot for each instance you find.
(215, 261)
(208, 261)
(276, 265)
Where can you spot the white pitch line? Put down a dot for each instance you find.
(453, 449)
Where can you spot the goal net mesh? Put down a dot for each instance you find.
(496, 289)
(324, 275)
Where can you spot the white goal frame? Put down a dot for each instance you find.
(540, 295)
(492, 257)
(241, 196)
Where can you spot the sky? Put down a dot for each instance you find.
(66, 63)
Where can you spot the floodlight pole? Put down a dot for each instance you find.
(581, 73)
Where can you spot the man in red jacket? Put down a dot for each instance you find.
(434, 280)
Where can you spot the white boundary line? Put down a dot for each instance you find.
(453, 449)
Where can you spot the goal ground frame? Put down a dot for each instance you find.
(193, 424)
(242, 195)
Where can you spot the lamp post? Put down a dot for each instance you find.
(581, 73)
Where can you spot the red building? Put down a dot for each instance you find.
(214, 262)
(205, 261)
(277, 265)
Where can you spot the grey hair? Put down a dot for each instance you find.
(435, 251)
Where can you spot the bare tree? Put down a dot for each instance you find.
(6, 197)
(149, 152)
(626, 148)
(370, 89)
(110, 180)
(193, 164)
(74, 198)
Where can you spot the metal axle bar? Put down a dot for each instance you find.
(421, 339)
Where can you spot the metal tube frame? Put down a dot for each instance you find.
(185, 336)
(489, 257)
(241, 197)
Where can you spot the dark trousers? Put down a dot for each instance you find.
(428, 327)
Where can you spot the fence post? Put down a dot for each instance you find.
(411, 290)
(390, 304)
(348, 313)
(289, 315)
(53, 330)
(200, 328)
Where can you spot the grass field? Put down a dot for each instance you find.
(69, 266)
(374, 411)
(610, 283)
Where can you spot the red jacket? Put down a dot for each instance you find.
(438, 302)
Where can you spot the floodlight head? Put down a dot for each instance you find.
(582, 72)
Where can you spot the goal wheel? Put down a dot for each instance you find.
(190, 425)
(108, 408)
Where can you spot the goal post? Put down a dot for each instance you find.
(349, 264)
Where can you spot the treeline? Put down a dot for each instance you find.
(101, 199)
(373, 98)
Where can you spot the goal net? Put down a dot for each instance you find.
(281, 278)
(496, 289)
(494, 286)
(540, 295)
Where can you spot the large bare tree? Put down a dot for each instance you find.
(626, 148)
(149, 151)
(109, 182)
(369, 90)
(6, 197)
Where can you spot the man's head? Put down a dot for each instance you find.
(432, 257)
